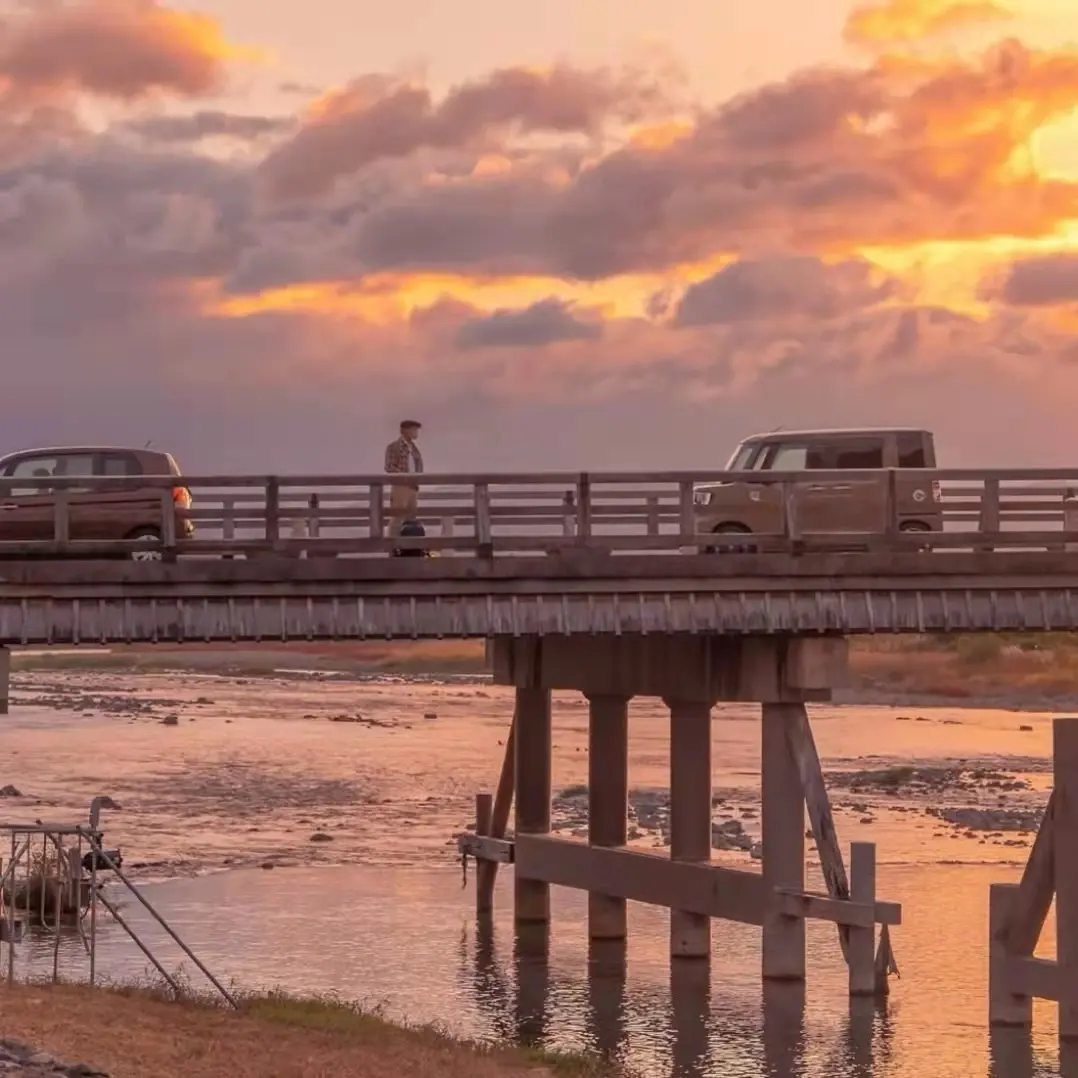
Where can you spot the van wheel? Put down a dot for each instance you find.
(730, 529)
(917, 526)
(149, 537)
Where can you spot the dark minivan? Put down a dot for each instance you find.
(104, 512)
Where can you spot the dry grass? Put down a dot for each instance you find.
(964, 667)
(39, 887)
(133, 1032)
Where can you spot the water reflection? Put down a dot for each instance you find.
(707, 1034)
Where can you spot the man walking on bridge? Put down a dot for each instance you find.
(403, 457)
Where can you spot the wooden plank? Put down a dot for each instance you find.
(486, 850)
(1031, 902)
(1033, 978)
(803, 747)
(705, 889)
(816, 907)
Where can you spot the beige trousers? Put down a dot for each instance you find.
(403, 505)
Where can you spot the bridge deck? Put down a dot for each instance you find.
(308, 558)
(356, 598)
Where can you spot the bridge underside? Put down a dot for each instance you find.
(740, 595)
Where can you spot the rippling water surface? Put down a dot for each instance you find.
(379, 913)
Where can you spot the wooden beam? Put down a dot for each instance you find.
(1034, 978)
(704, 889)
(803, 747)
(1029, 905)
(487, 873)
(487, 851)
(815, 907)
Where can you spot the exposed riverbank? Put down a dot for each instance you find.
(1027, 672)
(136, 1034)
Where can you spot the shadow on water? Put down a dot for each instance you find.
(706, 1035)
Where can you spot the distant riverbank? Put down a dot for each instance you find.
(1028, 672)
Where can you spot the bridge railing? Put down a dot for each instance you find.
(319, 515)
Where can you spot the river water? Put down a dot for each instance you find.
(218, 812)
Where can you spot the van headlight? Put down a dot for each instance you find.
(701, 497)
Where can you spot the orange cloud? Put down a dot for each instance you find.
(121, 49)
(893, 22)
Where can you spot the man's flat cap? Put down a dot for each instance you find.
(410, 423)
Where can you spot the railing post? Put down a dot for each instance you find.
(989, 521)
(273, 509)
(1070, 518)
(653, 514)
(483, 542)
(61, 521)
(687, 512)
(376, 507)
(228, 524)
(313, 523)
(583, 506)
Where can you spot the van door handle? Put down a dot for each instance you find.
(822, 488)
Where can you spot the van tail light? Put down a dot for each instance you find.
(937, 491)
(181, 497)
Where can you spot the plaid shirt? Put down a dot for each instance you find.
(403, 456)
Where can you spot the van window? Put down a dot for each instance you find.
(741, 461)
(792, 457)
(860, 454)
(119, 464)
(911, 451)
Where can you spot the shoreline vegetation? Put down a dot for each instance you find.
(141, 1031)
(1020, 671)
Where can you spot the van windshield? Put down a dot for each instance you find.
(741, 461)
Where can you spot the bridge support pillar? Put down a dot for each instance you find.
(5, 680)
(533, 749)
(690, 672)
(690, 814)
(783, 828)
(608, 801)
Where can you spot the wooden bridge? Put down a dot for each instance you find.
(603, 584)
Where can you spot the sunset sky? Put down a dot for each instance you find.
(568, 234)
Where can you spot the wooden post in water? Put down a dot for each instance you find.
(690, 814)
(1005, 1007)
(608, 801)
(484, 817)
(486, 874)
(862, 939)
(533, 750)
(1065, 842)
(783, 826)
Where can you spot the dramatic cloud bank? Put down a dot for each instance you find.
(561, 267)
